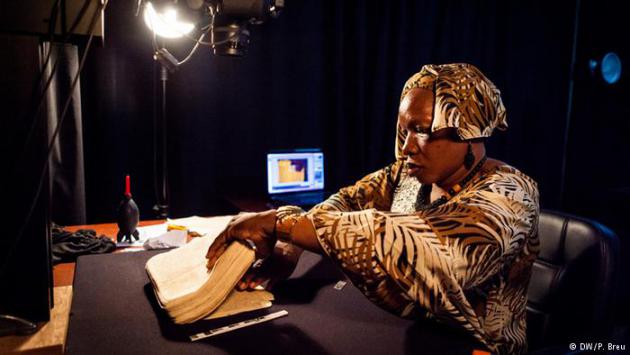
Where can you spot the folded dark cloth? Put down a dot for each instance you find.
(67, 246)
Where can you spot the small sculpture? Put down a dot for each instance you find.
(128, 217)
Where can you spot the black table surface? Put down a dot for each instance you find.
(114, 311)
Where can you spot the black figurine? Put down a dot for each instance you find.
(128, 217)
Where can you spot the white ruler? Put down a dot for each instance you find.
(238, 325)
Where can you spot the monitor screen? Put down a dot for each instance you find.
(295, 171)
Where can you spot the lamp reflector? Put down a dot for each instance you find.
(166, 24)
(611, 68)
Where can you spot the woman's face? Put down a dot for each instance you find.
(431, 157)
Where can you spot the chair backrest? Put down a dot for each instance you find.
(571, 292)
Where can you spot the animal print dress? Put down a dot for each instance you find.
(466, 262)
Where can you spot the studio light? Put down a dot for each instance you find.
(611, 68)
(223, 25)
(608, 68)
(165, 24)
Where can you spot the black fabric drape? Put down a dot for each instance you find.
(66, 160)
(324, 74)
(328, 74)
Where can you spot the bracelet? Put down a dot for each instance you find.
(286, 219)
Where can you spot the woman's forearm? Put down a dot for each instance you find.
(298, 230)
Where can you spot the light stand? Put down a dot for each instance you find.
(160, 143)
(229, 37)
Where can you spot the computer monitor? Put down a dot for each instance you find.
(25, 259)
(295, 170)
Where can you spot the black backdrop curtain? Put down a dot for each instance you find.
(324, 74)
(329, 74)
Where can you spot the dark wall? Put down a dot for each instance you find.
(598, 183)
(324, 74)
(598, 171)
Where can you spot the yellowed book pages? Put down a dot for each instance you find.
(180, 271)
(228, 270)
(242, 301)
(189, 292)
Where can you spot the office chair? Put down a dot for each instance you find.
(573, 283)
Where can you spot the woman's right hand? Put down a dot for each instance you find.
(256, 228)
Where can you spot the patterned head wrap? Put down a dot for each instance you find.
(464, 99)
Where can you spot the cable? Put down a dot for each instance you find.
(63, 17)
(192, 51)
(567, 126)
(51, 34)
(75, 80)
(52, 23)
(212, 43)
(78, 18)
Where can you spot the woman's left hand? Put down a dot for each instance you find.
(255, 227)
(278, 267)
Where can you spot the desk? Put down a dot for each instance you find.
(63, 274)
(114, 312)
(51, 337)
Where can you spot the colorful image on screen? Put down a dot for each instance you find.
(295, 171)
(292, 170)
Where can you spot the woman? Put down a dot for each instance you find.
(443, 232)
